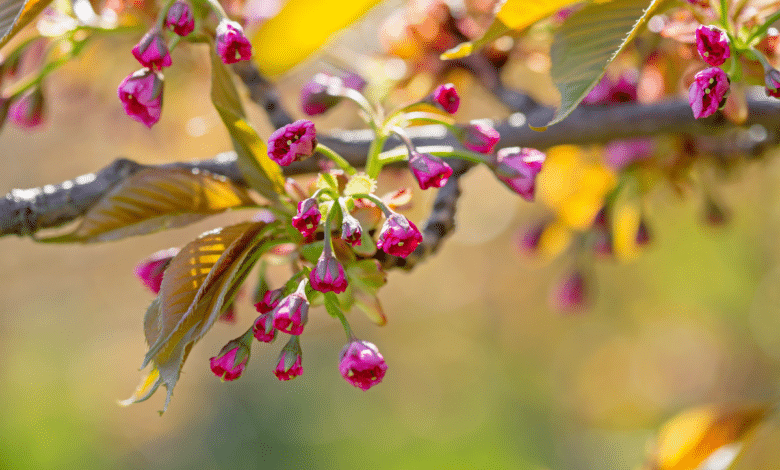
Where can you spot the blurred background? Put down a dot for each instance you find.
(484, 371)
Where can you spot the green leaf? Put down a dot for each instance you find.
(197, 288)
(16, 14)
(154, 199)
(512, 15)
(300, 28)
(262, 173)
(588, 41)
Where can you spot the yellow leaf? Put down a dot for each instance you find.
(690, 437)
(300, 28)
(16, 14)
(512, 15)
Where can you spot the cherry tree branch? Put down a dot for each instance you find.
(25, 211)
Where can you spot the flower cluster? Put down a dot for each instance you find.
(141, 92)
(710, 87)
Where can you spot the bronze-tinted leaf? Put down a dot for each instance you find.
(691, 437)
(197, 288)
(16, 14)
(155, 199)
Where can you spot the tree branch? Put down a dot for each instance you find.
(25, 211)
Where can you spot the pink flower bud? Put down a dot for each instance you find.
(361, 364)
(608, 91)
(712, 44)
(399, 236)
(321, 94)
(150, 271)
(27, 111)
(151, 51)
(263, 328)
(351, 230)
(293, 142)
(232, 44)
(569, 294)
(618, 154)
(517, 168)
(289, 365)
(229, 364)
(772, 80)
(480, 137)
(642, 234)
(308, 217)
(708, 92)
(430, 171)
(530, 238)
(446, 96)
(141, 95)
(179, 18)
(328, 274)
(292, 313)
(270, 300)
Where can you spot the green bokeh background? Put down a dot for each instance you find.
(483, 373)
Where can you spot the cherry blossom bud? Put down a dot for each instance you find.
(607, 91)
(399, 236)
(232, 44)
(642, 234)
(772, 80)
(141, 95)
(712, 44)
(328, 274)
(270, 300)
(292, 313)
(229, 364)
(530, 238)
(293, 142)
(289, 365)
(569, 294)
(151, 51)
(27, 111)
(708, 92)
(361, 364)
(180, 19)
(517, 168)
(446, 97)
(308, 217)
(479, 137)
(618, 154)
(430, 171)
(150, 271)
(351, 231)
(263, 328)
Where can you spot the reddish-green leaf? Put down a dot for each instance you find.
(198, 286)
(16, 14)
(155, 199)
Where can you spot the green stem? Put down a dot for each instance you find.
(373, 165)
(164, 14)
(361, 101)
(724, 14)
(761, 30)
(380, 203)
(336, 158)
(398, 154)
(404, 138)
(76, 47)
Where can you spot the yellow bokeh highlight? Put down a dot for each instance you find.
(519, 14)
(300, 28)
(574, 185)
(626, 218)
